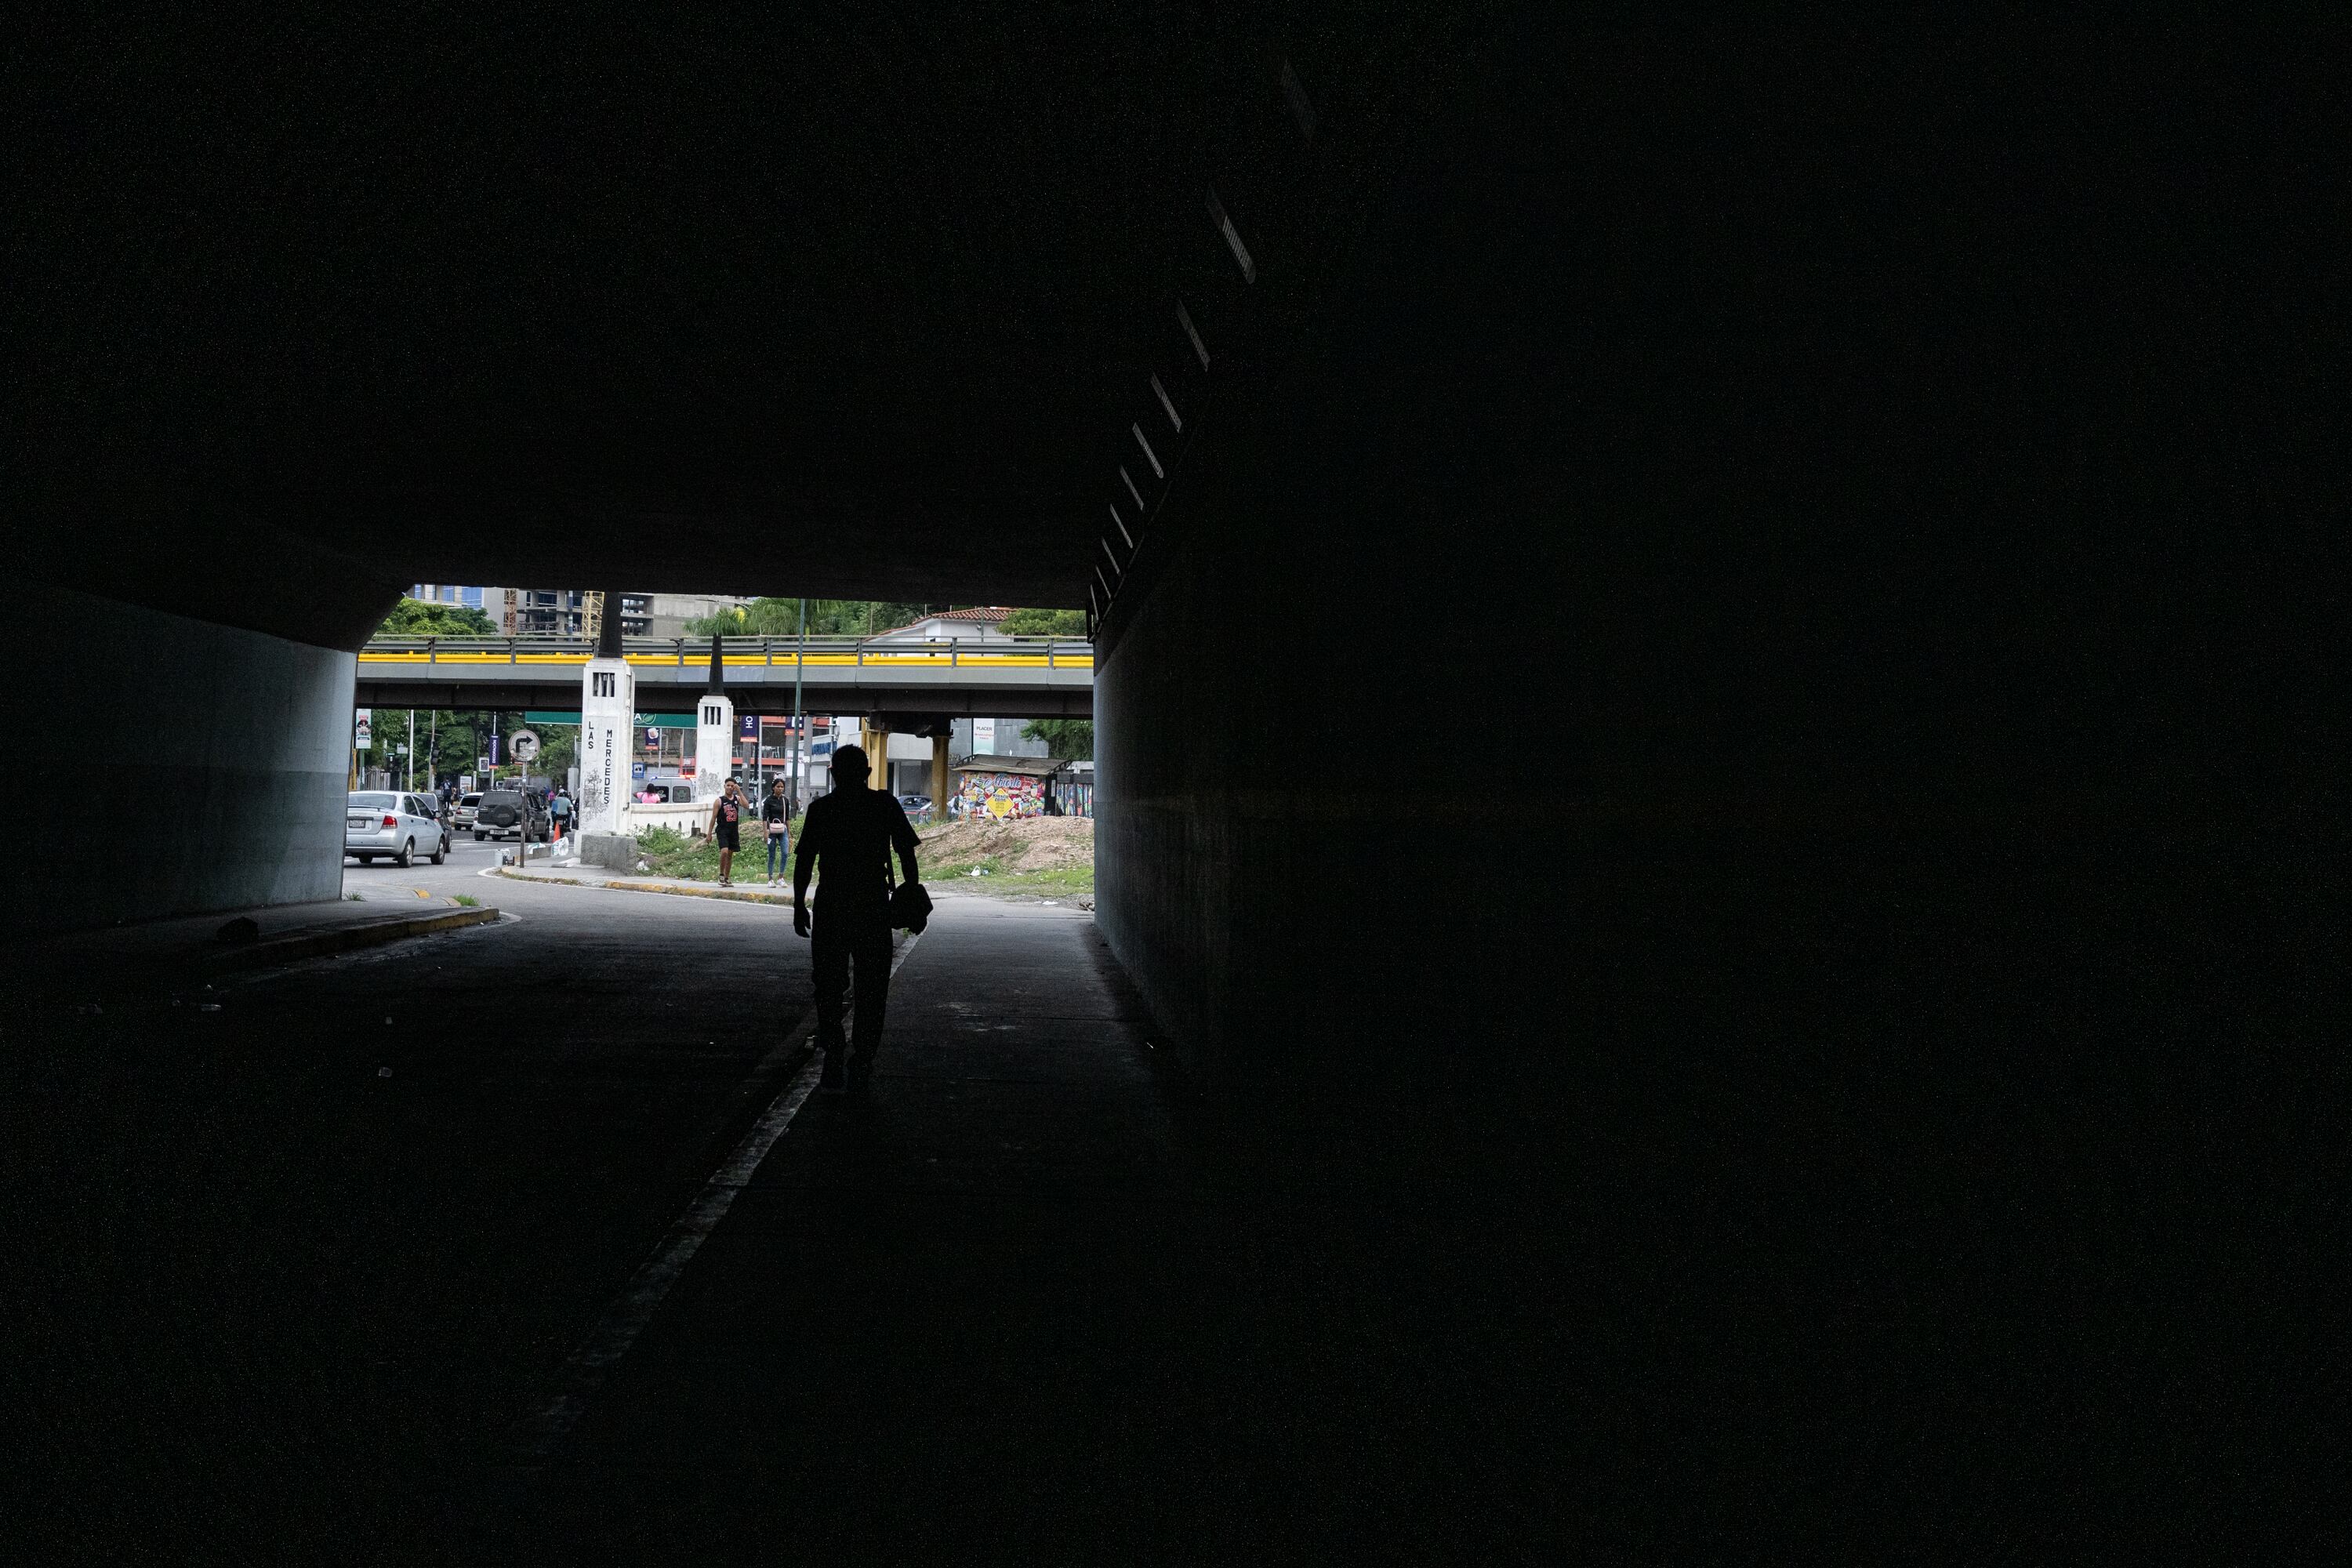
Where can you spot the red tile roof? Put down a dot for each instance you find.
(984, 614)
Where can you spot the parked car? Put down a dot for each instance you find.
(394, 824)
(918, 806)
(511, 814)
(461, 815)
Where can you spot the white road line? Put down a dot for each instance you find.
(533, 1441)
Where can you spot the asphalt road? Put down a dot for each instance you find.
(306, 1251)
(464, 872)
(303, 1255)
(306, 1260)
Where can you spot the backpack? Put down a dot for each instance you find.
(911, 906)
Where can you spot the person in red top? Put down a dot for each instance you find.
(727, 815)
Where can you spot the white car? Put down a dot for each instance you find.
(394, 824)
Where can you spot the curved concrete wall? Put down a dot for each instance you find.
(207, 765)
(1301, 843)
(1901, 659)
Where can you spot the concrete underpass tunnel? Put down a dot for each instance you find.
(1587, 491)
(1762, 592)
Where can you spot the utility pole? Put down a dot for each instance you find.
(800, 723)
(412, 748)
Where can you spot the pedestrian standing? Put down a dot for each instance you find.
(727, 830)
(775, 819)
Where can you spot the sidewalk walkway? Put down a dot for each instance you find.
(1043, 1301)
(119, 959)
(959, 1322)
(747, 890)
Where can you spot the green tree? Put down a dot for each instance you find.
(733, 623)
(1045, 624)
(559, 748)
(418, 618)
(447, 742)
(775, 617)
(1067, 739)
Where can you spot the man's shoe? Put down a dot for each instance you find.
(833, 1079)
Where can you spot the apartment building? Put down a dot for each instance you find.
(564, 613)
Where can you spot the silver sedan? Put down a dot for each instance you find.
(396, 825)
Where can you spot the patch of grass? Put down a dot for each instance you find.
(355, 898)
(692, 858)
(1061, 882)
(468, 900)
(669, 853)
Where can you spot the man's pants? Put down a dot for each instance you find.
(779, 854)
(834, 944)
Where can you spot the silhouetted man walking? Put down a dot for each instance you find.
(852, 831)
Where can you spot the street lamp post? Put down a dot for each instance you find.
(800, 723)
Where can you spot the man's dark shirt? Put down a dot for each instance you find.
(846, 837)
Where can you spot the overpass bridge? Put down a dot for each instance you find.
(1029, 677)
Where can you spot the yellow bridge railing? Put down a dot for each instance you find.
(812, 653)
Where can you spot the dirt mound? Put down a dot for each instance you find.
(1020, 844)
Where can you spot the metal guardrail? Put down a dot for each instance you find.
(769, 651)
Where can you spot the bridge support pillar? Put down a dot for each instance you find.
(939, 761)
(254, 734)
(714, 731)
(608, 707)
(873, 735)
(714, 745)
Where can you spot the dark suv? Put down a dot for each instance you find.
(512, 814)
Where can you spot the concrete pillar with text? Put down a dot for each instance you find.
(714, 731)
(608, 711)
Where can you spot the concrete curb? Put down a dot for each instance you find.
(732, 895)
(374, 933)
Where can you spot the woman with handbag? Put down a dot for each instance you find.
(775, 821)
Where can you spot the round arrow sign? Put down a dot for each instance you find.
(524, 745)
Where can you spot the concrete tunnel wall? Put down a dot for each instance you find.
(1847, 523)
(205, 766)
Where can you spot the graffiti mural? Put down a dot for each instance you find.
(1003, 795)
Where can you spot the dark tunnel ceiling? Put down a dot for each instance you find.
(856, 305)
